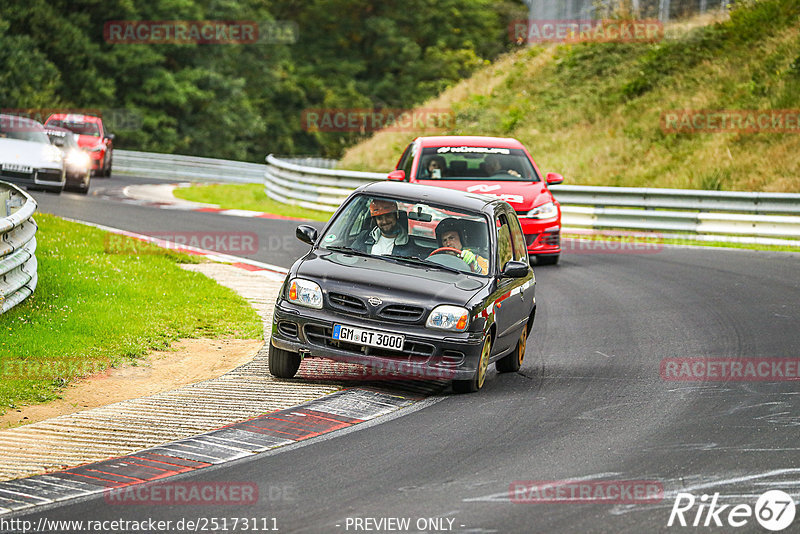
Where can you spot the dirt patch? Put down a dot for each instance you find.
(191, 360)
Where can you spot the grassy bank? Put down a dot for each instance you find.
(98, 305)
(593, 111)
(246, 197)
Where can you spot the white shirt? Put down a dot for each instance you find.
(383, 246)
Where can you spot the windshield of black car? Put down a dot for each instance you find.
(12, 127)
(475, 163)
(412, 232)
(82, 128)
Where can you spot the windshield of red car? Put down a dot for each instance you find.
(476, 163)
(82, 128)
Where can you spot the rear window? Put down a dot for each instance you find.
(476, 163)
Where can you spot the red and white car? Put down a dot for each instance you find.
(91, 135)
(499, 167)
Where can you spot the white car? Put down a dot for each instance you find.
(26, 156)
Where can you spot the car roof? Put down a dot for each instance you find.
(434, 195)
(469, 140)
(74, 117)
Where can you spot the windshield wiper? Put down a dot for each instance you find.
(417, 261)
(348, 250)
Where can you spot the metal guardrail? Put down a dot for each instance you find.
(647, 209)
(310, 187)
(18, 266)
(176, 167)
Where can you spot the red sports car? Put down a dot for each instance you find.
(91, 136)
(494, 166)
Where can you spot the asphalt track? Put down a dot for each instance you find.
(588, 404)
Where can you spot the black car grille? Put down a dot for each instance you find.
(322, 337)
(347, 303)
(16, 174)
(400, 312)
(49, 175)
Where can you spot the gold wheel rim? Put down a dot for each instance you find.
(484, 363)
(523, 340)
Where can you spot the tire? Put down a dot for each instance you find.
(513, 362)
(550, 259)
(283, 363)
(476, 382)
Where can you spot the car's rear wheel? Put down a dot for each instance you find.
(283, 363)
(512, 362)
(476, 382)
(549, 259)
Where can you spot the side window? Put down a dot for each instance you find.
(411, 151)
(406, 154)
(518, 240)
(505, 249)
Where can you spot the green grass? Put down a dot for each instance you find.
(592, 111)
(103, 301)
(246, 197)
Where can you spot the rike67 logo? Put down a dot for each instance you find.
(774, 510)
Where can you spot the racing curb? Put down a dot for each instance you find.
(335, 411)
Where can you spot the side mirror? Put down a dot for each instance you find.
(553, 178)
(515, 269)
(397, 176)
(307, 234)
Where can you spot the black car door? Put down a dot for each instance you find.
(509, 297)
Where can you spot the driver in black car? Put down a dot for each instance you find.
(450, 234)
(388, 236)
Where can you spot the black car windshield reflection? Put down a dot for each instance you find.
(414, 233)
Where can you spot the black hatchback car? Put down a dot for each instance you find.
(430, 282)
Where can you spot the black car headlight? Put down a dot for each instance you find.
(305, 293)
(446, 317)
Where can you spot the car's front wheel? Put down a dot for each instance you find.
(513, 362)
(283, 363)
(476, 382)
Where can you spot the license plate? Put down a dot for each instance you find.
(372, 338)
(16, 168)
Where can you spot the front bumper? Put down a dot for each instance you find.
(426, 354)
(542, 236)
(98, 158)
(47, 179)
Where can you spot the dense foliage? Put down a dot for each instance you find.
(242, 101)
